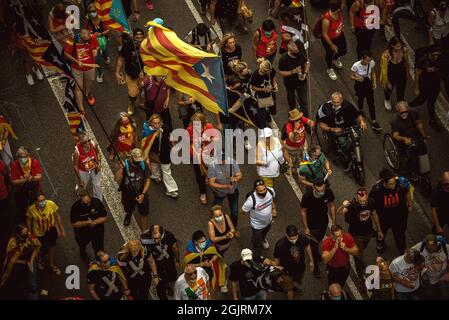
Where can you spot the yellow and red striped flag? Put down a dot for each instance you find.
(36, 48)
(186, 68)
(104, 13)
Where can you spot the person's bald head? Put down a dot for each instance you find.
(335, 290)
(190, 272)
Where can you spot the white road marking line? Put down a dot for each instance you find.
(440, 110)
(195, 13)
(110, 194)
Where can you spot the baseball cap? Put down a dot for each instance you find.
(265, 133)
(247, 254)
(431, 239)
(291, 231)
(136, 154)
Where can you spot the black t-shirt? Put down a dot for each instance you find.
(246, 83)
(360, 218)
(132, 58)
(390, 203)
(317, 208)
(134, 178)
(230, 56)
(291, 256)
(245, 277)
(82, 212)
(440, 201)
(162, 146)
(406, 127)
(136, 268)
(287, 63)
(97, 277)
(163, 252)
(344, 117)
(430, 72)
(226, 9)
(262, 81)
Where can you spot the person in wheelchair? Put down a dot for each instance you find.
(333, 117)
(408, 133)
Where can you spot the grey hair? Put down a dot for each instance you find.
(337, 94)
(401, 103)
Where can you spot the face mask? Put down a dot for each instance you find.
(268, 34)
(41, 204)
(318, 194)
(202, 245)
(262, 194)
(24, 161)
(93, 14)
(292, 241)
(219, 219)
(336, 298)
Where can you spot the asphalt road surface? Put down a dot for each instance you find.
(40, 124)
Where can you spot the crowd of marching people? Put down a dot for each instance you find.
(154, 265)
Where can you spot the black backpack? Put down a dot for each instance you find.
(196, 37)
(253, 197)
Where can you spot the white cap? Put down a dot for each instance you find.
(247, 254)
(265, 133)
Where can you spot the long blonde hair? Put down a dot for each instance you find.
(265, 66)
(225, 40)
(238, 66)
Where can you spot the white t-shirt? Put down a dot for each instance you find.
(182, 289)
(435, 264)
(261, 216)
(361, 70)
(272, 157)
(406, 271)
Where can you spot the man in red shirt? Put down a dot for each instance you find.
(295, 139)
(26, 174)
(336, 251)
(81, 53)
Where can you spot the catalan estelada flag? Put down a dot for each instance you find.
(74, 117)
(186, 68)
(148, 137)
(218, 266)
(104, 13)
(36, 48)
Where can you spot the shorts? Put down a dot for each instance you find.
(129, 204)
(269, 181)
(290, 280)
(48, 240)
(295, 154)
(133, 86)
(81, 76)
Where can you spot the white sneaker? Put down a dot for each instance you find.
(100, 78)
(338, 64)
(248, 145)
(387, 104)
(38, 74)
(224, 289)
(331, 74)
(30, 80)
(107, 60)
(173, 194)
(265, 244)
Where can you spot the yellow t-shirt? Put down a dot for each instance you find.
(42, 220)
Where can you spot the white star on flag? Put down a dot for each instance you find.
(206, 74)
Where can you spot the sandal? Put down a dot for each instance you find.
(56, 270)
(203, 199)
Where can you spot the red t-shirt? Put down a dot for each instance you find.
(84, 52)
(340, 258)
(205, 138)
(335, 27)
(3, 187)
(17, 173)
(301, 128)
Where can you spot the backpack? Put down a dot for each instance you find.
(253, 197)
(318, 28)
(441, 241)
(196, 37)
(284, 134)
(130, 185)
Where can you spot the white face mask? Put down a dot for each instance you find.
(292, 241)
(219, 219)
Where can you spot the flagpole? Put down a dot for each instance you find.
(309, 88)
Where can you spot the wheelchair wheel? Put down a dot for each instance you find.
(323, 139)
(391, 152)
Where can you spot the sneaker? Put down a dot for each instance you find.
(77, 187)
(376, 127)
(173, 194)
(100, 78)
(265, 244)
(338, 64)
(158, 180)
(130, 109)
(150, 5)
(248, 145)
(348, 166)
(127, 220)
(387, 105)
(30, 80)
(245, 28)
(297, 288)
(224, 289)
(107, 60)
(38, 73)
(91, 100)
(331, 74)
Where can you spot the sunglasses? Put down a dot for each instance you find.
(93, 11)
(260, 183)
(403, 112)
(192, 273)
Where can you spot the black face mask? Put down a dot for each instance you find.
(262, 194)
